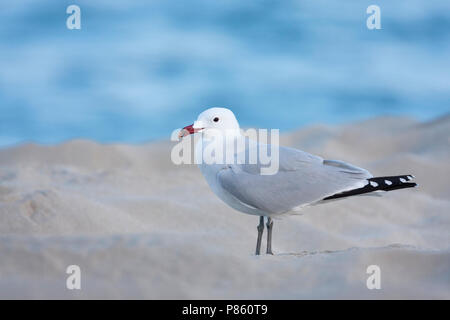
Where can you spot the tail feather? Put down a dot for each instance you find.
(378, 183)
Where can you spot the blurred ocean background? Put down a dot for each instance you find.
(137, 70)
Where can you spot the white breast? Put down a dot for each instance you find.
(210, 172)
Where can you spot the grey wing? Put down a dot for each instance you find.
(302, 179)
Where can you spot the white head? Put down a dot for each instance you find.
(220, 119)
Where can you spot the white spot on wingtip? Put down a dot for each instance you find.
(388, 182)
(373, 184)
(402, 180)
(410, 177)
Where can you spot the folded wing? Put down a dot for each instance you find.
(302, 179)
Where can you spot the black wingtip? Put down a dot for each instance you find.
(387, 183)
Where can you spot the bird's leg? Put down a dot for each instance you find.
(269, 235)
(260, 228)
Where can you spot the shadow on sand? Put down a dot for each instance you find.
(311, 253)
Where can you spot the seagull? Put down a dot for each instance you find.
(302, 179)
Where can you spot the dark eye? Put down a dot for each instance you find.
(216, 119)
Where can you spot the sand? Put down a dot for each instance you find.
(141, 227)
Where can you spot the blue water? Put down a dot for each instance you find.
(139, 69)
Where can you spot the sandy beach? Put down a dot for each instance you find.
(141, 227)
